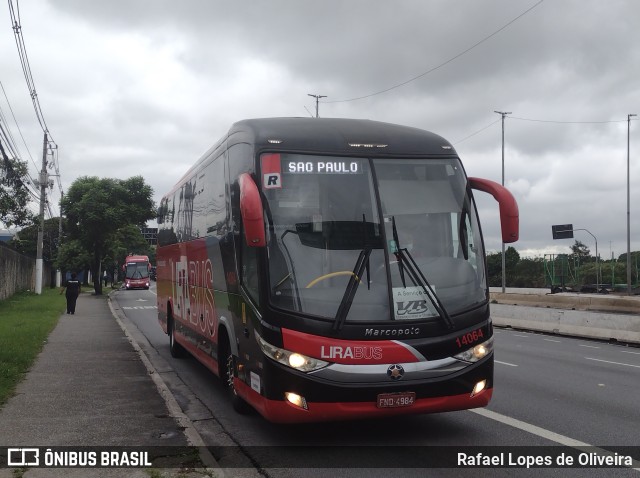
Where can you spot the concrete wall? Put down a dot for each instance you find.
(18, 272)
(593, 316)
(572, 301)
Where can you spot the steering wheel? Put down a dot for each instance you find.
(331, 274)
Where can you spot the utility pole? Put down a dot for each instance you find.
(58, 271)
(504, 275)
(317, 97)
(628, 206)
(43, 180)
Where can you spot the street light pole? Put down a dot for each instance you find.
(628, 207)
(597, 259)
(317, 97)
(504, 275)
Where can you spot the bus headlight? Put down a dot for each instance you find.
(290, 359)
(477, 352)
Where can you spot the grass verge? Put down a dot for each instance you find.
(26, 319)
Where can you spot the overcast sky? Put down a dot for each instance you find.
(133, 87)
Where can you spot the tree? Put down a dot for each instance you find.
(27, 240)
(494, 267)
(580, 251)
(511, 258)
(14, 195)
(72, 256)
(530, 273)
(97, 209)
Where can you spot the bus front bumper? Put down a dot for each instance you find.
(290, 397)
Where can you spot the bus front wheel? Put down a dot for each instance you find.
(228, 372)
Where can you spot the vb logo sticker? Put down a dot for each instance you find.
(412, 307)
(412, 303)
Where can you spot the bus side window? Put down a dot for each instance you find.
(249, 269)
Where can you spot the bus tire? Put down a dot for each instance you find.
(176, 350)
(228, 370)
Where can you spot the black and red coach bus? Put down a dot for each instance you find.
(331, 269)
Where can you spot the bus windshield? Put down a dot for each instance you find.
(361, 240)
(137, 270)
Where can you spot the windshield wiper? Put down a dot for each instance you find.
(352, 288)
(397, 252)
(406, 260)
(462, 232)
(362, 263)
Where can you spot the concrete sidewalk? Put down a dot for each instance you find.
(89, 387)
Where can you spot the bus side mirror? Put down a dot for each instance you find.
(509, 217)
(252, 212)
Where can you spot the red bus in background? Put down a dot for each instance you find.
(136, 272)
(330, 269)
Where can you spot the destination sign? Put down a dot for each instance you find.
(322, 167)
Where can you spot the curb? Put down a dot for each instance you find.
(193, 437)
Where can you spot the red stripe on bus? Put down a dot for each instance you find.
(348, 351)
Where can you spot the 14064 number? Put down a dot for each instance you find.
(469, 338)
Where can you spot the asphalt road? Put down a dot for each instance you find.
(549, 391)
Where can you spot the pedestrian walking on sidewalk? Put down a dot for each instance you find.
(72, 292)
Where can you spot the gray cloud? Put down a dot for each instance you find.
(144, 87)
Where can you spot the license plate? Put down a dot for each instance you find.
(394, 400)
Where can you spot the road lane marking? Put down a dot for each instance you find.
(551, 340)
(505, 363)
(519, 335)
(588, 346)
(544, 433)
(615, 363)
(629, 352)
(527, 427)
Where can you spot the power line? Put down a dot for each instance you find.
(26, 69)
(435, 68)
(566, 122)
(17, 125)
(537, 121)
(8, 140)
(24, 61)
(47, 145)
(477, 132)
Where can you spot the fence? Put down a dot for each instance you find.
(18, 272)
